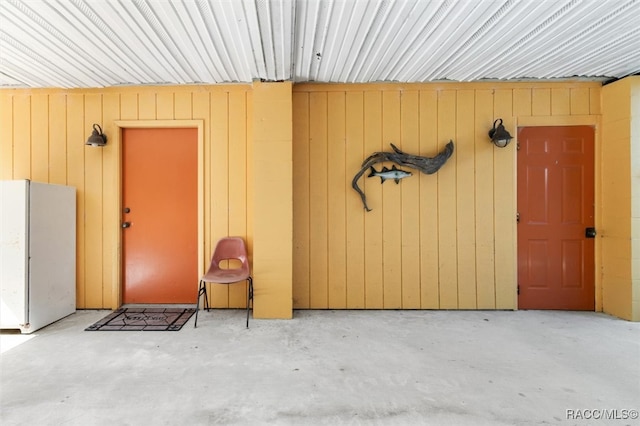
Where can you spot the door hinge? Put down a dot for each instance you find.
(518, 217)
(518, 289)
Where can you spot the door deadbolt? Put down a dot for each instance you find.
(126, 224)
(590, 232)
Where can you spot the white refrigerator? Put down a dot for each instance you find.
(37, 254)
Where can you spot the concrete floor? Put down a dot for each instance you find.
(329, 368)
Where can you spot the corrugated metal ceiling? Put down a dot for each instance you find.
(98, 43)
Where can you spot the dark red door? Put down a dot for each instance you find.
(160, 201)
(556, 207)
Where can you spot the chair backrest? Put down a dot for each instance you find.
(230, 248)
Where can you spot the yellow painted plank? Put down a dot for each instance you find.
(540, 102)
(111, 203)
(147, 104)
(410, 210)
(22, 137)
(301, 200)
(319, 200)
(237, 182)
(76, 136)
(521, 103)
(57, 138)
(465, 201)
(336, 221)
(129, 106)
(484, 202)
(505, 209)
(201, 111)
(429, 253)
(93, 223)
(595, 106)
(447, 239)
(579, 101)
(6, 136)
(40, 138)
(355, 212)
(273, 230)
(219, 183)
(183, 104)
(373, 219)
(391, 207)
(164, 106)
(560, 101)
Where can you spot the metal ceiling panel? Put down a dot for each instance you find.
(98, 43)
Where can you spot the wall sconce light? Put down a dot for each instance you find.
(499, 135)
(97, 138)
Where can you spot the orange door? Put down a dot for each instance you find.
(160, 226)
(556, 207)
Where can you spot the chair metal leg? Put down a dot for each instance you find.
(202, 289)
(249, 297)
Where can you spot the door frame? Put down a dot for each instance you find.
(114, 220)
(575, 120)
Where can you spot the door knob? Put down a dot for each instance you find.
(126, 224)
(590, 232)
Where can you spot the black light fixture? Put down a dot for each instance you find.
(499, 135)
(97, 138)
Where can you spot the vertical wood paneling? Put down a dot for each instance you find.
(183, 105)
(579, 101)
(429, 237)
(40, 138)
(391, 208)
(6, 137)
(129, 106)
(93, 201)
(147, 105)
(484, 197)
(354, 131)
(22, 137)
(447, 217)
(57, 139)
(164, 106)
(373, 219)
(301, 200)
(318, 171)
(504, 213)
(76, 136)
(594, 101)
(540, 101)
(465, 199)
(560, 101)
(434, 241)
(237, 172)
(219, 184)
(336, 221)
(201, 110)
(111, 203)
(410, 209)
(521, 101)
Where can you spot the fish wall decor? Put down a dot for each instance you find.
(393, 173)
(427, 165)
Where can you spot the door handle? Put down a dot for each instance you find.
(126, 224)
(590, 232)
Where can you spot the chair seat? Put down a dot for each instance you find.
(225, 276)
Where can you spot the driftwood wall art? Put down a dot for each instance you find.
(427, 165)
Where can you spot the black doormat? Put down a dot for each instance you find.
(145, 319)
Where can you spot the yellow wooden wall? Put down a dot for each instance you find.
(42, 135)
(620, 207)
(442, 241)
